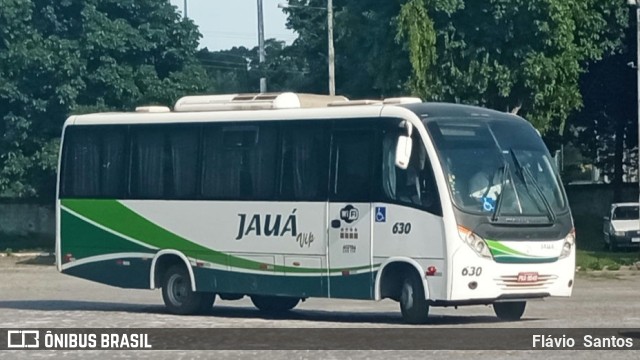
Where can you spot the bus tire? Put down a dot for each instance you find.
(178, 296)
(274, 304)
(413, 305)
(509, 311)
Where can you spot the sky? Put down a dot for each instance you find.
(229, 23)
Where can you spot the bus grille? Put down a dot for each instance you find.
(511, 282)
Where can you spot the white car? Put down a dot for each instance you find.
(622, 226)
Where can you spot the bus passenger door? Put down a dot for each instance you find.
(349, 221)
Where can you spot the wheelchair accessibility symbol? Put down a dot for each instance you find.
(381, 214)
(488, 204)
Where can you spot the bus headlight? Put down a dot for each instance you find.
(476, 243)
(569, 242)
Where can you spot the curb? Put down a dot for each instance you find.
(29, 254)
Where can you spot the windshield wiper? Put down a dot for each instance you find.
(526, 173)
(503, 180)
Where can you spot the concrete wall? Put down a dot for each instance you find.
(22, 219)
(596, 199)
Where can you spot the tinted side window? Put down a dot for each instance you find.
(352, 154)
(93, 162)
(113, 163)
(148, 163)
(304, 161)
(239, 161)
(183, 156)
(164, 162)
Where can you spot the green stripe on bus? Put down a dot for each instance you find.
(83, 239)
(120, 219)
(497, 247)
(504, 254)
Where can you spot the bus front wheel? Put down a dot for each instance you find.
(274, 303)
(178, 296)
(509, 311)
(413, 305)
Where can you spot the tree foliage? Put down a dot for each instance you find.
(73, 56)
(522, 56)
(238, 70)
(512, 55)
(606, 128)
(369, 61)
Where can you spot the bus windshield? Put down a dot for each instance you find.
(496, 167)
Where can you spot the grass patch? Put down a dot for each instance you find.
(598, 260)
(613, 267)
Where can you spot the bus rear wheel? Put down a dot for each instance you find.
(509, 311)
(274, 304)
(178, 296)
(413, 305)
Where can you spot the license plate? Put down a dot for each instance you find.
(526, 277)
(635, 239)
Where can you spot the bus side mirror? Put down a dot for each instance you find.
(403, 151)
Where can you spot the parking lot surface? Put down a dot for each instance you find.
(35, 295)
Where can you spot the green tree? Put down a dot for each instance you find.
(238, 70)
(228, 70)
(74, 56)
(606, 127)
(513, 55)
(522, 56)
(284, 67)
(369, 61)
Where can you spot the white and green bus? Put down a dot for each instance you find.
(284, 197)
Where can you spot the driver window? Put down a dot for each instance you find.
(414, 186)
